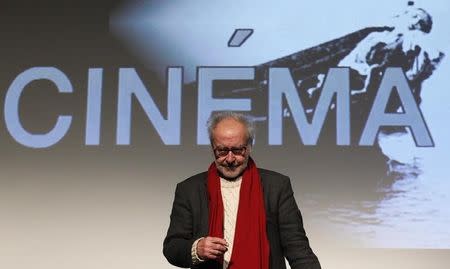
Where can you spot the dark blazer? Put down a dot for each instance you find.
(189, 221)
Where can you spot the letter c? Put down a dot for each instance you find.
(11, 108)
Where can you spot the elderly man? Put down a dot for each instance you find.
(236, 215)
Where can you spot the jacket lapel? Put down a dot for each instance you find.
(203, 192)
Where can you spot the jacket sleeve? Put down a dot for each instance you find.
(294, 242)
(179, 239)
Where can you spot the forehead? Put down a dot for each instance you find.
(230, 132)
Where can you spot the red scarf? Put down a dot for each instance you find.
(250, 247)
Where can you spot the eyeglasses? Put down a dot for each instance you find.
(222, 152)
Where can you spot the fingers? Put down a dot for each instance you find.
(218, 240)
(213, 254)
(211, 248)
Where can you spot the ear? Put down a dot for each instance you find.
(249, 148)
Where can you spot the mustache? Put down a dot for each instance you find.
(230, 165)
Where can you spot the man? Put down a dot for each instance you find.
(236, 215)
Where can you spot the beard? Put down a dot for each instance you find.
(231, 171)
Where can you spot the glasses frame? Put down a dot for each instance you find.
(223, 152)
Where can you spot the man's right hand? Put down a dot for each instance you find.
(211, 248)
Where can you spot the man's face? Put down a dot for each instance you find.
(230, 148)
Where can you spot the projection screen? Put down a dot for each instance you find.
(104, 110)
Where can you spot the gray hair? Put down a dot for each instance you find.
(248, 122)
